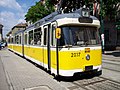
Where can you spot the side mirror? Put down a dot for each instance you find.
(58, 33)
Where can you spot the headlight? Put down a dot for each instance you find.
(87, 57)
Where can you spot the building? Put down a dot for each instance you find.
(21, 26)
(110, 35)
(112, 31)
(16, 28)
(1, 35)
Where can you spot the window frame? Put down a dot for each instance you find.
(31, 42)
(52, 33)
(26, 38)
(45, 39)
(40, 36)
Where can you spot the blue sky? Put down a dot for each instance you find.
(12, 12)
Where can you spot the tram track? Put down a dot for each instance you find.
(110, 79)
(111, 69)
(96, 83)
(111, 60)
(111, 63)
(113, 66)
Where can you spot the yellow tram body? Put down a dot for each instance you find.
(65, 60)
(68, 62)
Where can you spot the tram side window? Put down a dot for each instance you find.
(31, 40)
(53, 35)
(20, 39)
(17, 39)
(14, 40)
(25, 38)
(37, 36)
(61, 40)
(45, 36)
(11, 40)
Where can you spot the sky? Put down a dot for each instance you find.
(12, 12)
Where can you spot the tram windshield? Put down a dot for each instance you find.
(79, 36)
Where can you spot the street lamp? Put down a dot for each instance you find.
(1, 26)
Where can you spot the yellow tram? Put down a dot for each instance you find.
(64, 44)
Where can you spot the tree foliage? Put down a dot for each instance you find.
(109, 8)
(38, 11)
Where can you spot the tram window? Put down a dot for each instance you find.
(61, 40)
(37, 36)
(45, 36)
(20, 39)
(8, 39)
(17, 39)
(31, 40)
(80, 36)
(11, 40)
(53, 35)
(25, 40)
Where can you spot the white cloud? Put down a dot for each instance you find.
(11, 14)
(11, 4)
(21, 21)
(9, 19)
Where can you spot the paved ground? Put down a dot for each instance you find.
(3, 81)
(18, 74)
(111, 65)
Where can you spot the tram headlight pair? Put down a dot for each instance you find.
(87, 57)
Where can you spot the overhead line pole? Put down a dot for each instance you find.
(102, 27)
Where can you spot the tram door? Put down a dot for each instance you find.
(53, 48)
(46, 50)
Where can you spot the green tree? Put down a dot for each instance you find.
(111, 8)
(38, 11)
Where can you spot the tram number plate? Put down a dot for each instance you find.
(88, 68)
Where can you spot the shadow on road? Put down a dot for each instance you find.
(115, 53)
(77, 77)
